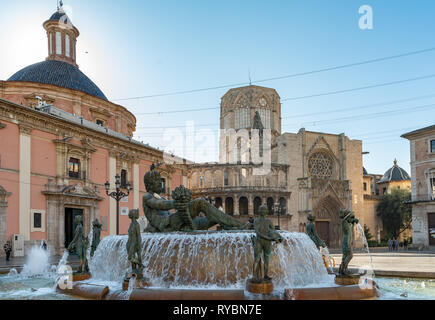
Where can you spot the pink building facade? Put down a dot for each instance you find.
(60, 141)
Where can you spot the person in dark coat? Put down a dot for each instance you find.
(8, 249)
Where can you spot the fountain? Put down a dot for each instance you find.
(37, 262)
(178, 257)
(217, 259)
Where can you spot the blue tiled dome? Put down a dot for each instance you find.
(395, 173)
(58, 73)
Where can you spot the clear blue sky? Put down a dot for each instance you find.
(138, 48)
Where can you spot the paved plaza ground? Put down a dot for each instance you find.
(396, 263)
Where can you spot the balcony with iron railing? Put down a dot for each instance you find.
(80, 175)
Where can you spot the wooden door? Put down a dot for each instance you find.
(323, 230)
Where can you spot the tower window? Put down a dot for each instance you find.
(225, 178)
(58, 43)
(100, 122)
(163, 185)
(365, 186)
(50, 41)
(432, 182)
(265, 117)
(242, 119)
(67, 51)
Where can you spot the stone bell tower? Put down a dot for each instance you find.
(238, 109)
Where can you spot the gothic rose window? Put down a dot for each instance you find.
(320, 165)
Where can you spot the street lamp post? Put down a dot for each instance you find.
(118, 194)
(277, 210)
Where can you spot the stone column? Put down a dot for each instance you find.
(236, 205)
(3, 205)
(24, 176)
(136, 185)
(250, 205)
(60, 224)
(112, 202)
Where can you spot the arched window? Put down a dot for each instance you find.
(283, 205)
(229, 206)
(257, 204)
(225, 178)
(50, 40)
(265, 117)
(67, 46)
(243, 206)
(163, 185)
(242, 118)
(321, 165)
(218, 202)
(270, 204)
(58, 43)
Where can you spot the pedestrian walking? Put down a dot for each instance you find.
(8, 249)
(390, 244)
(396, 244)
(405, 244)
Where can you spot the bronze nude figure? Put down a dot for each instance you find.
(312, 232)
(79, 245)
(134, 244)
(347, 221)
(265, 234)
(96, 234)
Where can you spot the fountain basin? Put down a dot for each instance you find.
(210, 259)
(86, 291)
(351, 292)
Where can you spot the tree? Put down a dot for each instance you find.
(367, 233)
(395, 211)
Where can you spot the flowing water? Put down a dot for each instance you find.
(37, 279)
(37, 262)
(368, 271)
(325, 252)
(211, 260)
(90, 239)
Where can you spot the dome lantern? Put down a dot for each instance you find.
(62, 37)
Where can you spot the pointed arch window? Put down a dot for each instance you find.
(242, 118)
(265, 117)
